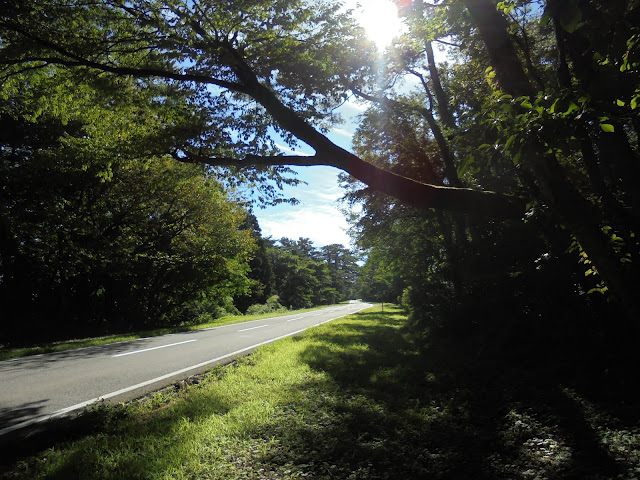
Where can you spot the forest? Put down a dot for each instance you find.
(498, 190)
(492, 197)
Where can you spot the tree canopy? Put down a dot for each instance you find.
(536, 121)
(99, 232)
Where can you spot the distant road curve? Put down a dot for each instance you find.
(41, 387)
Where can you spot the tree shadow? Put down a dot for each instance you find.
(378, 406)
(99, 429)
(11, 416)
(39, 360)
(399, 411)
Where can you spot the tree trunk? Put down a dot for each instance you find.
(584, 221)
(568, 205)
(444, 112)
(493, 29)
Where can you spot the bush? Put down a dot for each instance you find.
(272, 306)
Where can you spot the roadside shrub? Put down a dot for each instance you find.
(272, 306)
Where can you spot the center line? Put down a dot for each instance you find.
(294, 319)
(252, 328)
(152, 348)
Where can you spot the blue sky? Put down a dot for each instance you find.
(318, 215)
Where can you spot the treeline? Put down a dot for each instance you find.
(102, 231)
(555, 285)
(293, 274)
(499, 191)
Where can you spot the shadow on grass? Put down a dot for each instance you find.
(391, 410)
(112, 441)
(373, 405)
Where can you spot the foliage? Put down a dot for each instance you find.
(556, 134)
(260, 272)
(306, 276)
(514, 168)
(309, 51)
(272, 305)
(100, 232)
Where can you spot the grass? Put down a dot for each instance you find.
(6, 353)
(353, 399)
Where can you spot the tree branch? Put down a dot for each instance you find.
(463, 200)
(327, 153)
(443, 145)
(72, 60)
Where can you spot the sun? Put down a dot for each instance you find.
(380, 20)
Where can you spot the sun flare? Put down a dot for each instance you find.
(380, 20)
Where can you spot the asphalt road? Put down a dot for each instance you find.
(40, 387)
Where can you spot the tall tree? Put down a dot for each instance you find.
(282, 64)
(99, 231)
(261, 269)
(289, 64)
(343, 270)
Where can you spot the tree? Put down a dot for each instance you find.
(506, 131)
(288, 64)
(296, 272)
(343, 271)
(284, 64)
(261, 269)
(99, 233)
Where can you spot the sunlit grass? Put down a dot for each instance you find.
(352, 399)
(252, 417)
(102, 340)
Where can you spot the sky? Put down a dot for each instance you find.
(318, 216)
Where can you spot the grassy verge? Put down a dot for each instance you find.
(88, 342)
(353, 399)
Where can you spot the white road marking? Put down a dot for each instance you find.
(252, 328)
(107, 396)
(294, 319)
(78, 406)
(153, 348)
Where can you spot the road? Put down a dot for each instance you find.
(37, 388)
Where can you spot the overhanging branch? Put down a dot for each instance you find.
(407, 190)
(462, 200)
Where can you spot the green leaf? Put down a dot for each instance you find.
(620, 103)
(607, 127)
(616, 238)
(466, 165)
(572, 107)
(570, 16)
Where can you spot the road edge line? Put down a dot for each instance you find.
(78, 406)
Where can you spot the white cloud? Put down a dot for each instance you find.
(323, 226)
(354, 105)
(291, 151)
(343, 132)
(316, 217)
